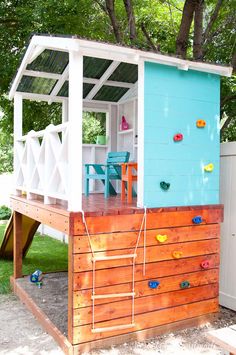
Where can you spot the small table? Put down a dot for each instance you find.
(128, 176)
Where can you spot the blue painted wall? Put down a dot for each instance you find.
(173, 101)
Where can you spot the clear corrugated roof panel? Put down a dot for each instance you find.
(50, 62)
(65, 89)
(95, 67)
(125, 72)
(55, 62)
(110, 93)
(36, 85)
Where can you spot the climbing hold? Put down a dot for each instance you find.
(161, 238)
(153, 284)
(165, 185)
(184, 284)
(177, 254)
(209, 168)
(201, 123)
(197, 219)
(205, 264)
(178, 137)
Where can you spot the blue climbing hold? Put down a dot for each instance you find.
(184, 284)
(153, 284)
(197, 219)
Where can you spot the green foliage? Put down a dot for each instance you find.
(85, 18)
(94, 124)
(45, 253)
(5, 212)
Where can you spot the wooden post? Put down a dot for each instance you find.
(18, 117)
(140, 185)
(70, 288)
(75, 131)
(17, 244)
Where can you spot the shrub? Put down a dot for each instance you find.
(5, 212)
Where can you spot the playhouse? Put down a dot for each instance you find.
(141, 266)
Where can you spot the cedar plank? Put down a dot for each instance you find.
(123, 308)
(113, 241)
(83, 262)
(83, 280)
(148, 320)
(82, 298)
(118, 223)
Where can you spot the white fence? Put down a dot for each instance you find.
(228, 227)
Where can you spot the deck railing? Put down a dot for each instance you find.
(41, 163)
(41, 160)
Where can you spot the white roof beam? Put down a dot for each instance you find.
(56, 43)
(38, 50)
(59, 84)
(102, 80)
(41, 97)
(41, 74)
(22, 67)
(108, 83)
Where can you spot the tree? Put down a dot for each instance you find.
(193, 29)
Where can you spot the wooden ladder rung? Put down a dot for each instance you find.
(115, 327)
(111, 295)
(114, 257)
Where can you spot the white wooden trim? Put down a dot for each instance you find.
(75, 131)
(38, 50)
(102, 80)
(56, 43)
(18, 123)
(60, 82)
(108, 83)
(65, 111)
(21, 69)
(140, 183)
(41, 97)
(41, 74)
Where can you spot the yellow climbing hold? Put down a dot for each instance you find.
(209, 168)
(177, 254)
(161, 238)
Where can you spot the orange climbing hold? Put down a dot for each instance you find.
(201, 123)
(177, 254)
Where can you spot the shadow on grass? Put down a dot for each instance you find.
(45, 253)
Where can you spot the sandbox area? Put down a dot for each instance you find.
(52, 298)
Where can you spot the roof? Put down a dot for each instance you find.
(109, 71)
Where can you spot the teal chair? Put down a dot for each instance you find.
(106, 172)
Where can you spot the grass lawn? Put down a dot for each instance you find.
(45, 253)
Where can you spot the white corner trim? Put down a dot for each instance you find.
(140, 184)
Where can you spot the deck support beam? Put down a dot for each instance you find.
(18, 123)
(17, 244)
(75, 131)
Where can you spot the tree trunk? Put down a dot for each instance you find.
(111, 12)
(183, 35)
(131, 19)
(198, 31)
(212, 20)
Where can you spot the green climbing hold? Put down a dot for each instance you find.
(164, 185)
(184, 284)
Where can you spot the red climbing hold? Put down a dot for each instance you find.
(178, 137)
(205, 264)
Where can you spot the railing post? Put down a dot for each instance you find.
(75, 131)
(18, 116)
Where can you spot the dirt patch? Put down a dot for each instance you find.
(52, 298)
(21, 334)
